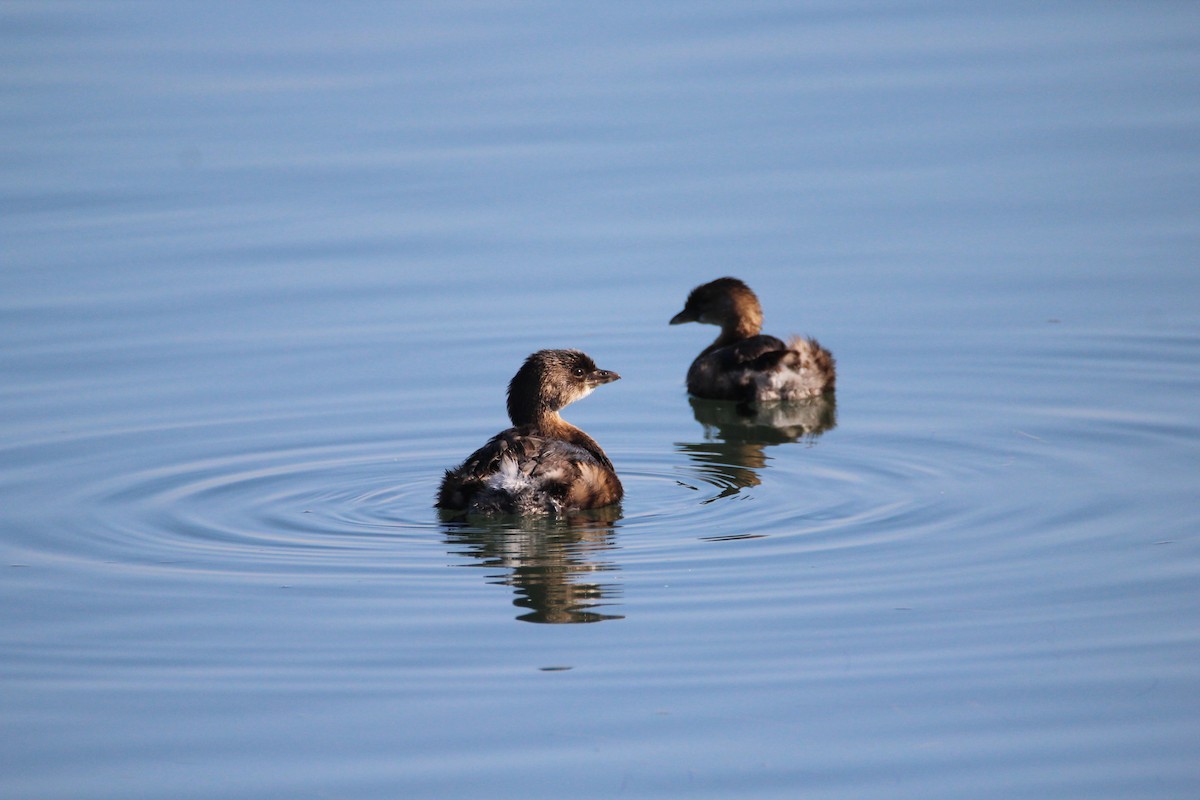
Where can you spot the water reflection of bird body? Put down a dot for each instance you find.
(554, 565)
(736, 436)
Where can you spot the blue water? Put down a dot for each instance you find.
(267, 268)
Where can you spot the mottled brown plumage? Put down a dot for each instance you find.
(744, 364)
(543, 464)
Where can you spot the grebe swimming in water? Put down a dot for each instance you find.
(543, 464)
(744, 364)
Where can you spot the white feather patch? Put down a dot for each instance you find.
(510, 479)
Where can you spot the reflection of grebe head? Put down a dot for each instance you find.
(550, 380)
(726, 302)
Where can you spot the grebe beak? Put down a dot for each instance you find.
(682, 317)
(602, 376)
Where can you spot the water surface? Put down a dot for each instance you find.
(267, 271)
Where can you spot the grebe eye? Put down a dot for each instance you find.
(579, 372)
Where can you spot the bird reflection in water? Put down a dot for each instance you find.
(736, 436)
(555, 564)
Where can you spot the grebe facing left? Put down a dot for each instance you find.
(543, 464)
(744, 364)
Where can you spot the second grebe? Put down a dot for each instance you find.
(744, 364)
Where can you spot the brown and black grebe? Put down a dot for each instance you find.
(543, 464)
(743, 364)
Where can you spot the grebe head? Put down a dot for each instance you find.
(550, 380)
(725, 302)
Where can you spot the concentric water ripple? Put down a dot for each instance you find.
(200, 497)
(266, 501)
(748, 492)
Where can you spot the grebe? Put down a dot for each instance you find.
(744, 364)
(543, 464)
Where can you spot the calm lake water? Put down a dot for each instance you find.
(267, 269)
